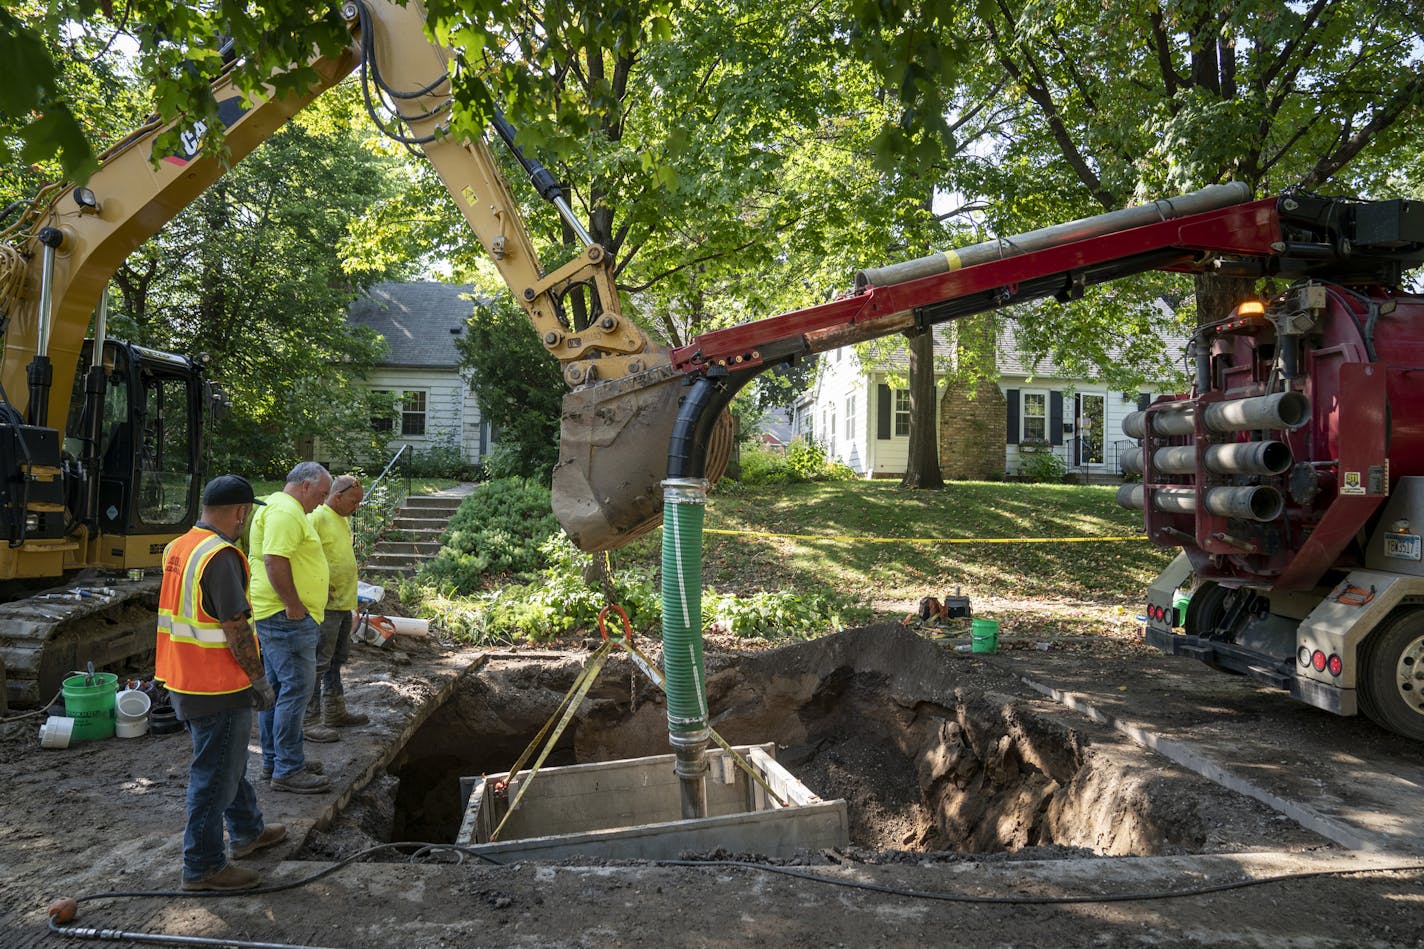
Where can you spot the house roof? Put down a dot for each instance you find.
(420, 321)
(776, 423)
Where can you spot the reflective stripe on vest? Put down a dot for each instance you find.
(193, 655)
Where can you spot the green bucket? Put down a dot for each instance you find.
(91, 705)
(984, 635)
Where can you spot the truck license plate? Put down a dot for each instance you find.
(1403, 546)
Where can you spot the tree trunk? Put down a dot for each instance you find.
(1218, 295)
(922, 467)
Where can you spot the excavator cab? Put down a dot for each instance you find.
(133, 447)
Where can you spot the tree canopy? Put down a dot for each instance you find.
(247, 275)
(738, 159)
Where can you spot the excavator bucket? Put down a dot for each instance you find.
(613, 456)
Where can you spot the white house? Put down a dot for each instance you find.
(863, 419)
(421, 322)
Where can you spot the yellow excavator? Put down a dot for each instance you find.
(101, 441)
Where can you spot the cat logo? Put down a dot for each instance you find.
(190, 141)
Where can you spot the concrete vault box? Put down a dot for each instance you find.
(631, 809)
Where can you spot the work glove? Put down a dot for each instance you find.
(263, 698)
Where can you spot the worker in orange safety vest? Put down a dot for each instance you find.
(208, 658)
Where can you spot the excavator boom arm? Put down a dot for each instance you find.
(134, 196)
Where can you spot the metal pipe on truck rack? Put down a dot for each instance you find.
(1175, 419)
(1275, 411)
(1206, 199)
(1263, 458)
(1248, 502)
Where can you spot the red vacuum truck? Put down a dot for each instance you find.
(1292, 476)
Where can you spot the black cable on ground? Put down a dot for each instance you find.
(421, 850)
(63, 911)
(1037, 900)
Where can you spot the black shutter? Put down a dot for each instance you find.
(1055, 418)
(1144, 399)
(1011, 397)
(883, 412)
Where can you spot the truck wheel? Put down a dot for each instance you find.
(1205, 613)
(1391, 676)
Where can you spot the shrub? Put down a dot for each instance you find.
(506, 461)
(557, 602)
(499, 529)
(775, 614)
(802, 461)
(444, 459)
(1042, 466)
(808, 462)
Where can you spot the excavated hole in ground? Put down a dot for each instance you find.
(927, 754)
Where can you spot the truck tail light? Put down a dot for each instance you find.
(1317, 660)
(1304, 655)
(1335, 665)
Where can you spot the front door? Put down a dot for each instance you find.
(1091, 411)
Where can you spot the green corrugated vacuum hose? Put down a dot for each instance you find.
(684, 501)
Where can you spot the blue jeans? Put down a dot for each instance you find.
(218, 792)
(289, 656)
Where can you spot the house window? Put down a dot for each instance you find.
(831, 432)
(413, 413)
(381, 401)
(850, 419)
(902, 411)
(1034, 420)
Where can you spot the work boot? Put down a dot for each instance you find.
(230, 877)
(313, 729)
(334, 713)
(271, 834)
(312, 765)
(303, 782)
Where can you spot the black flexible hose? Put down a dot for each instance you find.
(683, 460)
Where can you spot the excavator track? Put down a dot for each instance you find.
(47, 635)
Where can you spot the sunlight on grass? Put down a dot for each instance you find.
(854, 518)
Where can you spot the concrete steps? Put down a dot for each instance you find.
(414, 534)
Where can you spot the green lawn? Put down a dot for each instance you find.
(872, 550)
(847, 519)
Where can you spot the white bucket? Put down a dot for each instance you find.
(369, 592)
(132, 706)
(56, 732)
(131, 727)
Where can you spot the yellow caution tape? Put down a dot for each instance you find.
(928, 540)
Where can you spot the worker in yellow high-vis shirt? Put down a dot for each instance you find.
(289, 592)
(332, 521)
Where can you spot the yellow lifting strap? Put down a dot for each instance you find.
(571, 701)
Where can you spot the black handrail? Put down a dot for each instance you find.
(403, 457)
(406, 452)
